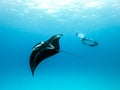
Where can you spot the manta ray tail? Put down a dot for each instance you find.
(72, 54)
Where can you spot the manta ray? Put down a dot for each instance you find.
(46, 49)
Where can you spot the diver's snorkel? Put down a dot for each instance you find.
(86, 41)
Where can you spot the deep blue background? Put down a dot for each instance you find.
(24, 23)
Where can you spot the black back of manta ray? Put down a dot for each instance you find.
(44, 50)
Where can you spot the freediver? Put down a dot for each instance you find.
(86, 41)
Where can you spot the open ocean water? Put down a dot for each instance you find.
(24, 23)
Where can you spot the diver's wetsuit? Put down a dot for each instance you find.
(91, 44)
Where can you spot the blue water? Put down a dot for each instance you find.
(24, 23)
